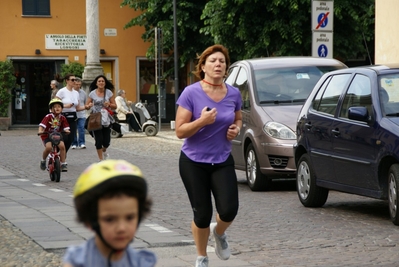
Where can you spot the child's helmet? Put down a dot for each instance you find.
(106, 179)
(55, 101)
(103, 171)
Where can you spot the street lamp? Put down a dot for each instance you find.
(176, 63)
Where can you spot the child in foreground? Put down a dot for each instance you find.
(111, 199)
(53, 122)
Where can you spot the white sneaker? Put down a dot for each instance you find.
(105, 155)
(73, 147)
(82, 146)
(222, 248)
(202, 261)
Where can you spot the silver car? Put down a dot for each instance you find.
(273, 91)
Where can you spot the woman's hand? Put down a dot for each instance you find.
(88, 106)
(233, 132)
(208, 115)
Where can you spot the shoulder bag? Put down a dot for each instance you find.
(94, 122)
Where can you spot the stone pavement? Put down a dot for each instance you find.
(37, 224)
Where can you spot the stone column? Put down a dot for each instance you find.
(93, 67)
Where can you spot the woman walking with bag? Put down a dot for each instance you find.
(99, 99)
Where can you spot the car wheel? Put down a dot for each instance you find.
(393, 182)
(309, 193)
(257, 181)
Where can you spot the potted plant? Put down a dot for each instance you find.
(74, 67)
(7, 82)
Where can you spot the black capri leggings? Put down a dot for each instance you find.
(102, 137)
(202, 179)
(68, 138)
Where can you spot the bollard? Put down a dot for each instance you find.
(172, 125)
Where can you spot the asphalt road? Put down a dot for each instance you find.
(272, 228)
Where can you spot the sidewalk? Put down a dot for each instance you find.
(46, 216)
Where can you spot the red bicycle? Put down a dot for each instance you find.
(53, 162)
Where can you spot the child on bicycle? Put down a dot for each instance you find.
(53, 122)
(110, 199)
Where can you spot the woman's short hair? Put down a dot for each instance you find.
(207, 52)
(55, 82)
(120, 92)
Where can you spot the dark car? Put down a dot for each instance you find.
(273, 90)
(348, 137)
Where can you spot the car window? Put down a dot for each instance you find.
(232, 73)
(242, 84)
(389, 94)
(326, 99)
(358, 95)
(287, 85)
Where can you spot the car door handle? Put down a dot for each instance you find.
(335, 132)
(308, 125)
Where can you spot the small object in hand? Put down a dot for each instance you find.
(208, 109)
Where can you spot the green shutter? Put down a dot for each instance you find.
(35, 7)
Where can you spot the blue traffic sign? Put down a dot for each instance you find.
(322, 20)
(322, 51)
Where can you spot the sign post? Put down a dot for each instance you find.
(322, 28)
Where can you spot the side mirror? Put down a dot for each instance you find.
(358, 114)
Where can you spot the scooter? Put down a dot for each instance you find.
(149, 127)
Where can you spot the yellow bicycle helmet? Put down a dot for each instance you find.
(103, 180)
(106, 179)
(55, 101)
(98, 173)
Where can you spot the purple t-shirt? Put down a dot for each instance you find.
(209, 144)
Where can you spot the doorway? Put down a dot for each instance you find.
(32, 92)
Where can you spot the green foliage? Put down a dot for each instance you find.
(254, 28)
(75, 68)
(159, 13)
(7, 82)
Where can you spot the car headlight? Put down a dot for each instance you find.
(278, 130)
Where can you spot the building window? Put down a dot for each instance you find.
(36, 7)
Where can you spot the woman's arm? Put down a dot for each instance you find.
(112, 103)
(186, 128)
(89, 103)
(235, 128)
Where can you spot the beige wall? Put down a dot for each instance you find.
(386, 32)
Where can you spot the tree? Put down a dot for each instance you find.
(159, 13)
(74, 68)
(7, 82)
(254, 28)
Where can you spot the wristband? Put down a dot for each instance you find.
(239, 130)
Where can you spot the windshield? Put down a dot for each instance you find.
(287, 85)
